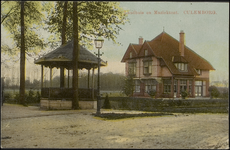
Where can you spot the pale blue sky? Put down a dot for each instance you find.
(206, 34)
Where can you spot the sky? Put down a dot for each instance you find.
(207, 33)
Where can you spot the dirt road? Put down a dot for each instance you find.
(29, 127)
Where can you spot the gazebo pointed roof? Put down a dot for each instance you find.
(63, 57)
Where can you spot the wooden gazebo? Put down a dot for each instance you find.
(62, 58)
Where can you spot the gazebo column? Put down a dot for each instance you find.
(68, 78)
(93, 84)
(62, 77)
(88, 77)
(42, 76)
(51, 76)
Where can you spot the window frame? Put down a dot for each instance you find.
(167, 83)
(137, 88)
(146, 52)
(150, 84)
(182, 67)
(147, 67)
(133, 67)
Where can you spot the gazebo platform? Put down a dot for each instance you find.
(65, 104)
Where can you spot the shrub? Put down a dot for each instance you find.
(106, 102)
(184, 94)
(38, 97)
(124, 104)
(7, 95)
(152, 92)
(214, 92)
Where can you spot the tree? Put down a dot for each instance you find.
(94, 19)
(75, 103)
(64, 23)
(85, 21)
(22, 57)
(22, 19)
(128, 87)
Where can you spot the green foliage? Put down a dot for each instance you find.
(11, 20)
(152, 93)
(225, 93)
(107, 103)
(30, 97)
(128, 87)
(95, 18)
(184, 94)
(214, 91)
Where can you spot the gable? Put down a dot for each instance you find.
(131, 49)
(144, 48)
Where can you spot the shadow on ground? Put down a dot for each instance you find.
(114, 116)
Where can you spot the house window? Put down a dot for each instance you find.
(132, 68)
(175, 88)
(198, 88)
(181, 66)
(167, 86)
(130, 55)
(183, 85)
(137, 86)
(150, 85)
(147, 67)
(146, 52)
(190, 87)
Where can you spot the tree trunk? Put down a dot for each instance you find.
(22, 57)
(63, 36)
(76, 49)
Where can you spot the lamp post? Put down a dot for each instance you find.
(98, 44)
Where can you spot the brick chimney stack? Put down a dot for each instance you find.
(140, 40)
(181, 44)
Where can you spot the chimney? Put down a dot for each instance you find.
(181, 44)
(140, 40)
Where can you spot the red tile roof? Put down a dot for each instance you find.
(166, 47)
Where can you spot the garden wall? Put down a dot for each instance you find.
(170, 105)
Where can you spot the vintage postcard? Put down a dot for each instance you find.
(151, 75)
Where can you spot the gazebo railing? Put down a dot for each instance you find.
(67, 93)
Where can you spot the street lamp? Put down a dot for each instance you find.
(98, 44)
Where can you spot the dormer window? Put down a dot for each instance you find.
(146, 52)
(181, 66)
(130, 55)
